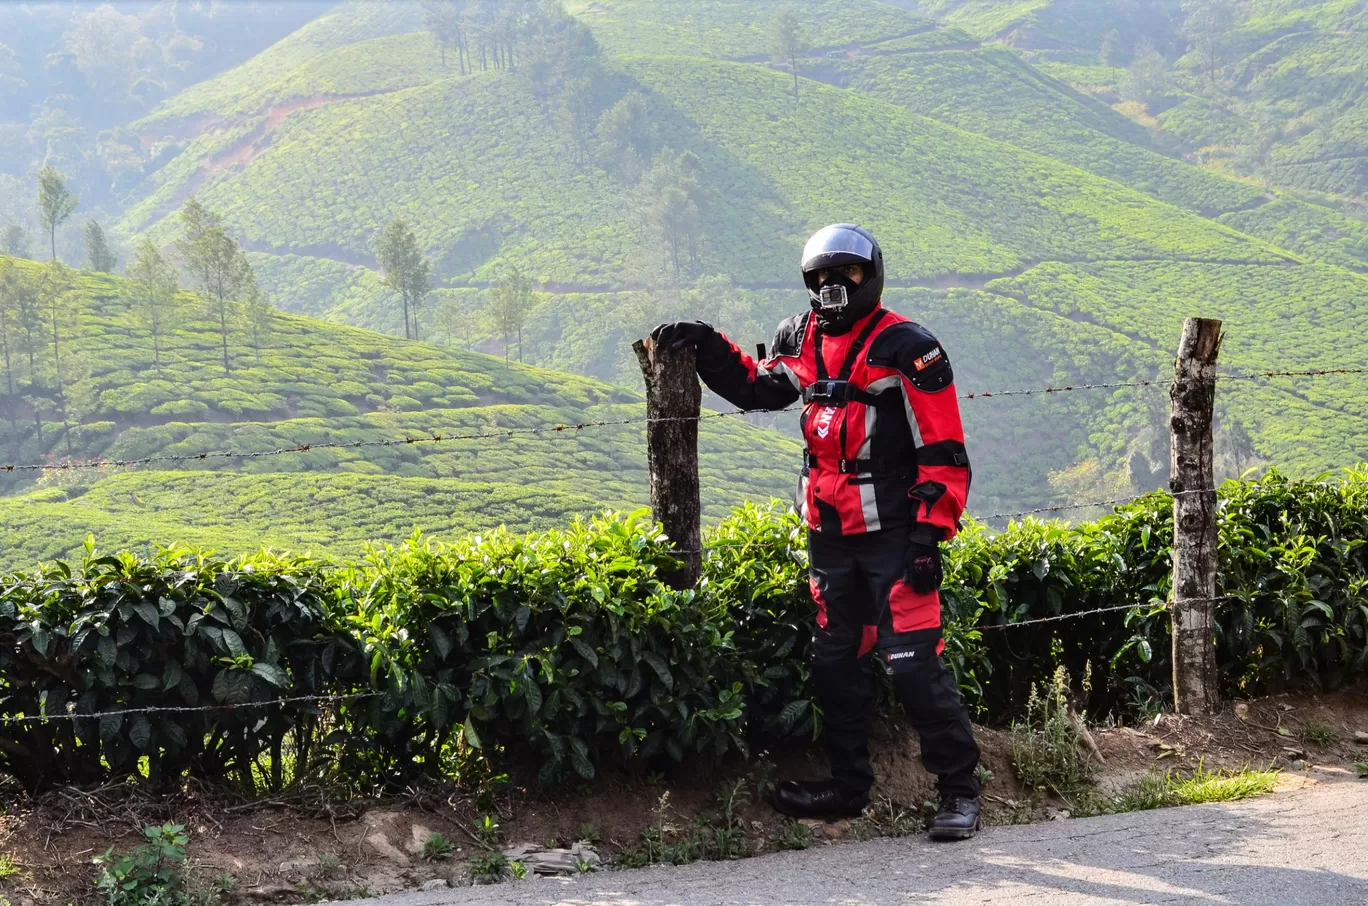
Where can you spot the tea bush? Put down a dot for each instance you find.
(563, 651)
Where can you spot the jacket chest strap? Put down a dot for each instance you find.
(830, 392)
(879, 468)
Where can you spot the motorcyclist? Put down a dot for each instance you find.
(884, 482)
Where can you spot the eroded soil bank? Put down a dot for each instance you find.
(312, 845)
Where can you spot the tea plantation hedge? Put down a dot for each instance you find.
(563, 650)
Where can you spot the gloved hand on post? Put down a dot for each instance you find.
(678, 334)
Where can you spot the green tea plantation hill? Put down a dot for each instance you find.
(1266, 91)
(1016, 210)
(301, 381)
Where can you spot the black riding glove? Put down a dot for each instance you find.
(924, 569)
(679, 334)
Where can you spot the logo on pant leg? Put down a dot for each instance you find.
(899, 655)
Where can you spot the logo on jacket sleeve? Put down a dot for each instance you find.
(926, 361)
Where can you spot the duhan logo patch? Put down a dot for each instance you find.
(929, 359)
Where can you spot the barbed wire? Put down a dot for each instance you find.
(184, 709)
(1261, 375)
(441, 437)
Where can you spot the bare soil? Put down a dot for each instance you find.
(310, 846)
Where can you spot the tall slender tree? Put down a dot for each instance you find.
(153, 294)
(16, 241)
(407, 272)
(99, 256)
(54, 291)
(787, 42)
(510, 303)
(8, 337)
(217, 265)
(1111, 52)
(55, 203)
(1208, 26)
(260, 313)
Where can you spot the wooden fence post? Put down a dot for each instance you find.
(673, 403)
(1192, 477)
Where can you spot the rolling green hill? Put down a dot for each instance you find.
(1286, 105)
(1020, 212)
(315, 383)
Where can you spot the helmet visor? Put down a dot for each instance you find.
(836, 245)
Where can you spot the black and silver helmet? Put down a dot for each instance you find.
(840, 303)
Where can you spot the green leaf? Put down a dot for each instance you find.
(662, 669)
(110, 727)
(271, 674)
(140, 732)
(232, 687)
(440, 640)
(146, 681)
(468, 732)
(585, 650)
(171, 674)
(236, 610)
(233, 642)
(533, 695)
(579, 758)
(148, 612)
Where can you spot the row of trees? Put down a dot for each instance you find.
(42, 309)
(1207, 30)
(406, 271)
(56, 204)
(504, 33)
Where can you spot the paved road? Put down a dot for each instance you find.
(1306, 847)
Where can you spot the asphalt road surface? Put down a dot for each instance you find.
(1305, 847)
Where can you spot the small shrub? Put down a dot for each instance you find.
(1047, 747)
(886, 818)
(329, 865)
(517, 869)
(151, 875)
(1362, 768)
(437, 847)
(7, 867)
(793, 835)
(489, 868)
(589, 833)
(1319, 735)
(488, 830)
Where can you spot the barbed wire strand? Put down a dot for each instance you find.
(185, 709)
(580, 426)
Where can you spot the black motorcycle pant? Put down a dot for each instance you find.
(863, 604)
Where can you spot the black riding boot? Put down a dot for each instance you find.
(845, 691)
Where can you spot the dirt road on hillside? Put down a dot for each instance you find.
(1303, 847)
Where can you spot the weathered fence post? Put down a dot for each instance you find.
(673, 402)
(1192, 477)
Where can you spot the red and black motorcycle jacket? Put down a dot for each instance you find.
(885, 445)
